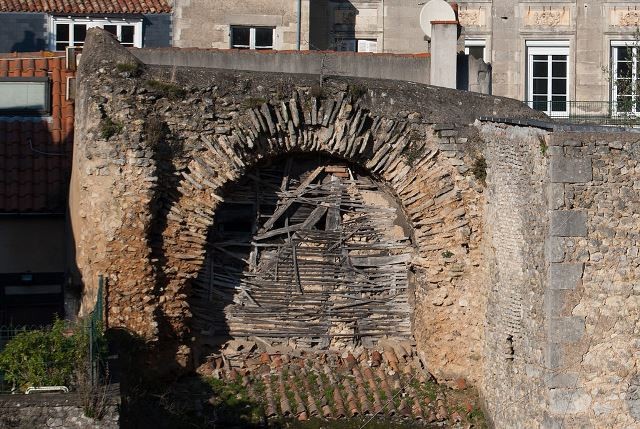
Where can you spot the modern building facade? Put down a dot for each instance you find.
(363, 26)
(559, 55)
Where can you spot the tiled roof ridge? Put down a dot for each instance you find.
(86, 6)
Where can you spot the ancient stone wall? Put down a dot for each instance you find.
(54, 411)
(157, 152)
(562, 224)
(515, 225)
(524, 284)
(591, 301)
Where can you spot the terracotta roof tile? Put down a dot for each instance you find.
(86, 6)
(35, 154)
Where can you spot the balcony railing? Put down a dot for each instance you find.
(589, 112)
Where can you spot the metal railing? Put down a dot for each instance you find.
(95, 327)
(589, 112)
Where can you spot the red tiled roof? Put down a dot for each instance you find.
(35, 155)
(86, 7)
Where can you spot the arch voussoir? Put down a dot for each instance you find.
(424, 184)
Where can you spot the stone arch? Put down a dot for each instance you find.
(394, 151)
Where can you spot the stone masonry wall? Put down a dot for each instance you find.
(561, 240)
(54, 411)
(527, 286)
(592, 301)
(144, 196)
(515, 225)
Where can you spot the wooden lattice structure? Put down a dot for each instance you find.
(307, 249)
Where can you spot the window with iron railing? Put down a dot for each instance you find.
(548, 76)
(625, 87)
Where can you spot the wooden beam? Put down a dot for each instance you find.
(284, 207)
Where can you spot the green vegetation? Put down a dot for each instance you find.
(447, 254)
(543, 145)
(232, 403)
(480, 170)
(109, 128)
(133, 69)
(253, 102)
(48, 357)
(357, 91)
(166, 89)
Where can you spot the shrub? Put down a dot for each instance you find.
(480, 170)
(253, 102)
(133, 69)
(46, 357)
(109, 128)
(166, 89)
(357, 91)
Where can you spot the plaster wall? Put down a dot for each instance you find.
(406, 68)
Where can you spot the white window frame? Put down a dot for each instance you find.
(92, 22)
(25, 96)
(252, 37)
(635, 95)
(476, 42)
(548, 48)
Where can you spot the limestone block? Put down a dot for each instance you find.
(555, 195)
(554, 249)
(568, 223)
(553, 302)
(568, 401)
(566, 329)
(570, 170)
(563, 379)
(564, 276)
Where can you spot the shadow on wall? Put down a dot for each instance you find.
(29, 43)
(333, 25)
(150, 401)
(473, 74)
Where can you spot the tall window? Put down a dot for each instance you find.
(548, 77)
(73, 31)
(252, 37)
(625, 90)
